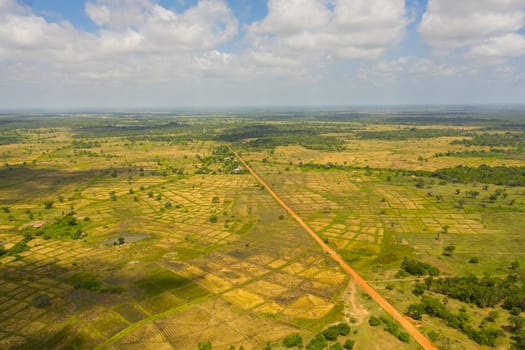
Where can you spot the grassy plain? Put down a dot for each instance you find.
(205, 254)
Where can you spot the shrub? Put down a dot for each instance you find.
(204, 346)
(41, 301)
(374, 321)
(331, 333)
(87, 280)
(292, 340)
(404, 337)
(349, 344)
(343, 329)
(317, 343)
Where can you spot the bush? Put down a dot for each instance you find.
(292, 340)
(87, 281)
(48, 204)
(404, 337)
(41, 301)
(418, 268)
(374, 321)
(349, 344)
(331, 333)
(419, 289)
(204, 346)
(317, 343)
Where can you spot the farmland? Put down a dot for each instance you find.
(145, 231)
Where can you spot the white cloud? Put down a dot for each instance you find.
(487, 27)
(303, 50)
(12, 6)
(508, 45)
(362, 29)
(131, 31)
(100, 14)
(202, 27)
(118, 14)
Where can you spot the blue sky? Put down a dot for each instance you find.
(180, 53)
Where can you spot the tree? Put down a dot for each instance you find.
(449, 250)
(349, 344)
(205, 346)
(294, 339)
(48, 204)
(374, 321)
(404, 337)
(419, 289)
(41, 301)
(517, 322)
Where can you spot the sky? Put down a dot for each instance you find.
(77, 54)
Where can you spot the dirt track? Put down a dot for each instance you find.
(405, 323)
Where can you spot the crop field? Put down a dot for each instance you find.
(146, 232)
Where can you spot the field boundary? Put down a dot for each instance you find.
(387, 307)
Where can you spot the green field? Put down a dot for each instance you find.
(142, 231)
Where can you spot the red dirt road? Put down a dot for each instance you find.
(409, 327)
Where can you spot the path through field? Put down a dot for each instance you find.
(409, 327)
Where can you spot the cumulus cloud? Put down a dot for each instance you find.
(362, 29)
(137, 43)
(412, 68)
(485, 27)
(504, 46)
(118, 14)
(134, 34)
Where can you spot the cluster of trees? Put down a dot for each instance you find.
(499, 175)
(390, 326)
(417, 268)
(484, 334)
(408, 133)
(492, 153)
(19, 247)
(222, 158)
(91, 281)
(85, 144)
(507, 139)
(322, 339)
(483, 292)
(270, 136)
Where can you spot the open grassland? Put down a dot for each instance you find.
(143, 231)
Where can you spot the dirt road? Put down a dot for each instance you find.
(405, 323)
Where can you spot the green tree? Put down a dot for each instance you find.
(294, 339)
(449, 250)
(517, 322)
(349, 344)
(204, 346)
(374, 321)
